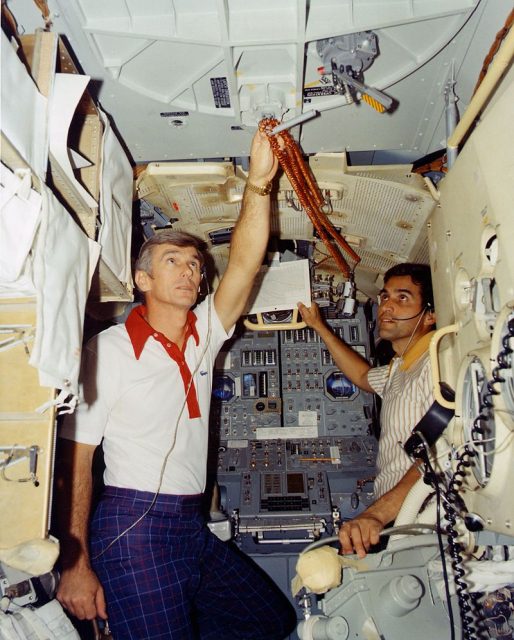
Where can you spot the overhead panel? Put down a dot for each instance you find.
(192, 79)
(380, 210)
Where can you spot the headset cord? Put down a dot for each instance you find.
(467, 606)
(431, 478)
(450, 509)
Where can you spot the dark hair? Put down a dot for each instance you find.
(168, 236)
(420, 275)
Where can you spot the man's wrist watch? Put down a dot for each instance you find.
(262, 191)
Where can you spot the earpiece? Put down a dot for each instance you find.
(204, 282)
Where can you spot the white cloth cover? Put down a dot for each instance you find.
(62, 277)
(48, 622)
(319, 570)
(34, 557)
(481, 575)
(115, 205)
(10, 628)
(20, 208)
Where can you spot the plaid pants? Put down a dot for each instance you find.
(170, 578)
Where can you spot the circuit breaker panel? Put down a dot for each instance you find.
(291, 443)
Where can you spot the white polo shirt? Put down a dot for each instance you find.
(137, 405)
(405, 386)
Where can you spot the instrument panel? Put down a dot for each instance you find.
(290, 445)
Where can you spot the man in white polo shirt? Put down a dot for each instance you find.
(150, 563)
(406, 318)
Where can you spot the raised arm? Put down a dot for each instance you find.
(249, 237)
(351, 363)
(79, 589)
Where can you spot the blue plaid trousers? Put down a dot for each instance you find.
(170, 578)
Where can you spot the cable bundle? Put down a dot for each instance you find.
(309, 194)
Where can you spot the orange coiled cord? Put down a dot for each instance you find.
(308, 192)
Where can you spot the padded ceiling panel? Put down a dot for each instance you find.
(382, 210)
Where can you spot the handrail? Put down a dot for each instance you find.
(260, 325)
(496, 70)
(434, 360)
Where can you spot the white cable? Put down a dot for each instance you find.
(412, 502)
(292, 122)
(476, 445)
(415, 528)
(413, 332)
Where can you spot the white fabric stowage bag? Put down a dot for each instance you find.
(115, 233)
(20, 209)
(62, 270)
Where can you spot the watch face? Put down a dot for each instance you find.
(263, 191)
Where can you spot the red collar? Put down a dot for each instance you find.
(140, 330)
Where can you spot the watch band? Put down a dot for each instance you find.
(262, 191)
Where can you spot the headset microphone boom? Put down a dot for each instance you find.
(426, 308)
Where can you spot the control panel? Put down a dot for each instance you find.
(284, 384)
(291, 448)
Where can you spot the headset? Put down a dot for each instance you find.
(426, 309)
(204, 282)
(431, 425)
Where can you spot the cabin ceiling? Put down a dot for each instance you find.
(189, 79)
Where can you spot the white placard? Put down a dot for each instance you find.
(279, 288)
(307, 418)
(286, 433)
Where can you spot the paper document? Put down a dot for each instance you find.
(278, 288)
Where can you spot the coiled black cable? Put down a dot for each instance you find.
(469, 632)
(431, 478)
(503, 358)
(504, 362)
(467, 604)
